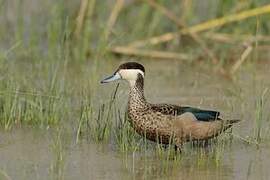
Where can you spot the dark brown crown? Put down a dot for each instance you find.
(132, 65)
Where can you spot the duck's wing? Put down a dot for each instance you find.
(200, 114)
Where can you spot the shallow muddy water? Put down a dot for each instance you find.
(31, 153)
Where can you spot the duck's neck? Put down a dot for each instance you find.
(136, 94)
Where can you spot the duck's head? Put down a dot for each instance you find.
(130, 71)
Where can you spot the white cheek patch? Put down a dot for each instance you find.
(130, 74)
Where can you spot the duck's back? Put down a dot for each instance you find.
(200, 114)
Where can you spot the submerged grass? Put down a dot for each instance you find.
(18, 108)
(259, 121)
(126, 138)
(58, 151)
(97, 125)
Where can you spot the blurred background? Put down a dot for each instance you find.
(91, 30)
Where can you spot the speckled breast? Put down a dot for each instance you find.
(149, 126)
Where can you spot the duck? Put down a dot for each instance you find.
(166, 123)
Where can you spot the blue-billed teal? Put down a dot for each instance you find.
(166, 123)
